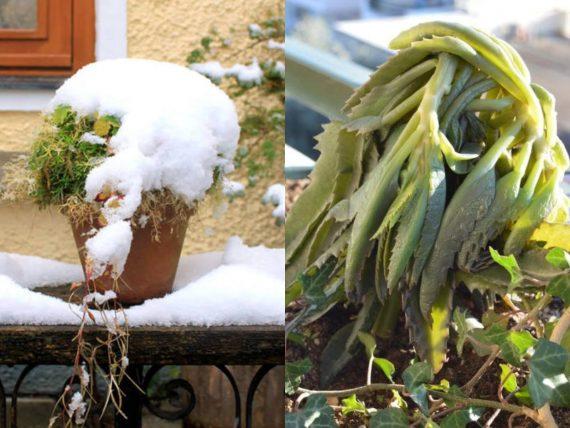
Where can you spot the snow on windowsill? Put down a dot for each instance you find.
(239, 286)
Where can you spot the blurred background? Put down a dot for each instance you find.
(333, 45)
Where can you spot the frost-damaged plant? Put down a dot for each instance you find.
(447, 149)
(263, 129)
(533, 353)
(119, 154)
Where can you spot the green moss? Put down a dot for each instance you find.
(60, 161)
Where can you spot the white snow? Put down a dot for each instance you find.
(100, 298)
(273, 44)
(247, 74)
(92, 138)
(31, 271)
(275, 195)
(251, 74)
(212, 69)
(177, 127)
(279, 67)
(233, 189)
(255, 30)
(110, 246)
(240, 286)
(76, 408)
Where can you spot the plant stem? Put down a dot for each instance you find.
(476, 402)
(357, 390)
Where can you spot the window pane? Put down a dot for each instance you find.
(18, 14)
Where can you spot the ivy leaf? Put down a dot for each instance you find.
(547, 377)
(515, 346)
(294, 373)
(352, 405)
(560, 287)
(463, 326)
(559, 258)
(509, 263)
(386, 366)
(368, 341)
(461, 418)
(508, 378)
(414, 378)
(316, 414)
(389, 418)
(523, 396)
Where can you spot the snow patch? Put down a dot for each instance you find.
(233, 189)
(251, 74)
(110, 246)
(273, 44)
(32, 271)
(275, 195)
(91, 138)
(240, 286)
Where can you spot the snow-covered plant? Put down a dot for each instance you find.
(124, 142)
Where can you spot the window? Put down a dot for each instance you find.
(46, 37)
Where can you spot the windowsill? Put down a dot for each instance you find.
(28, 82)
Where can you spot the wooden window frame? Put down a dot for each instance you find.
(62, 42)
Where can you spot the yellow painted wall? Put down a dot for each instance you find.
(164, 30)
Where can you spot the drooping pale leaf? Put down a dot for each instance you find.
(391, 417)
(313, 200)
(352, 405)
(335, 355)
(102, 126)
(553, 235)
(294, 372)
(560, 287)
(508, 378)
(386, 366)
(316, 414)
(547, 379)
(509, 263)
(433, 216)
(559, 258)
(467, 206)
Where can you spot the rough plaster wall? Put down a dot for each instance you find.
(17, 129)
(163, 30)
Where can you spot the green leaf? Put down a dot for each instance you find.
(368, 341)
(560, 287)
(316, 414)
(523, 396)
(547, 375)
(61, 114)
(559, 258)
(461, 418)
(352, 405)
(294, 372)
(414, 378)
(508, 378)
(102, 126)
(386, 366)
(389, 418)
(509, 263)
(516, 345)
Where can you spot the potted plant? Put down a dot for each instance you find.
(128, 150)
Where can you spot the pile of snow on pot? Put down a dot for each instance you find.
(176, 129)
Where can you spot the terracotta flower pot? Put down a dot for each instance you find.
(151, 265)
